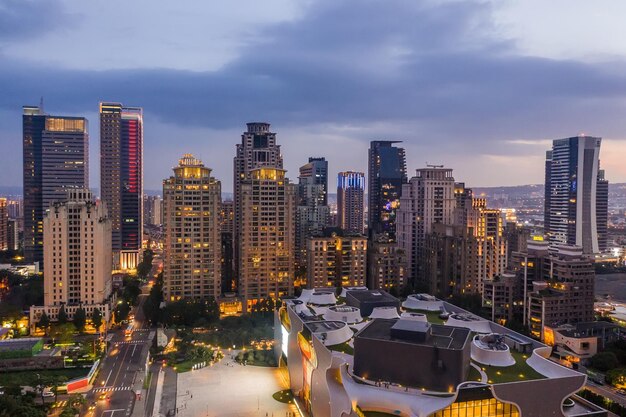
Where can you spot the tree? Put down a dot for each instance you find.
(80, 319)
(62, 315)
(96, 318)
(604, 361)
(62, 333)
(121, 311)
(44, 322)
(55, 382)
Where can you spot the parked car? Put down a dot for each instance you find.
(621, 391)
(48, 394)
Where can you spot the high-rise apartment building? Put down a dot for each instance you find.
(312, 213)
(351, 201)
(257, 149)
(13, 234)
(121, 179)
(566, 295)
(55, 160)
(427, 199)
(575, 194)
(227, 217)
(77, 257)
(152, 209)
(315, 172)
(386, 265)
(192, 249)
(386, 175)
(335, 259)
(4, 225)
(267, 236)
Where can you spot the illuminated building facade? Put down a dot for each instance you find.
(335, 260)
(257, 149)
(312, 213)
(267, 236)
(427, 199)
(192, 249)
(4, 225)
(576, 194)
(351, 201)
(77, 257)
(566, 294)
(386, 175)
(121, 179)
(55, 160)
(386, 265)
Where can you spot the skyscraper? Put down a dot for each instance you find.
(314, 173)
(257, 149)
(312, 212)
(386, 174)
(77, 257)
(121, 178)
(573, 203)
(427, 199)
(192, 249)
(267, 236)
(56, 159)
(350, 201)
(4, 225)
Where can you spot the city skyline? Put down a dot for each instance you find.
(545, 95)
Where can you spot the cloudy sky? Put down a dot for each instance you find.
(480, 86)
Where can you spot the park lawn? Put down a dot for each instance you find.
(521, 371)
(285, 396)
(27, 378)
(184, 366)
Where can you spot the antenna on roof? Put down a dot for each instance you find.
(41, 105)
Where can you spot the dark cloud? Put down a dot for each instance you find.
(350, 62)
(440, 70)
(26, 19)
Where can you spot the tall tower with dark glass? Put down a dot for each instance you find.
(121, 179)
(387, 173)
(55, 160)
(350, 201)
(315, 173)
(576, 194)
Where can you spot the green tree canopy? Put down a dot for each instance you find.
(604, 361)
(96, 318)
(80, 319)
(62, 315)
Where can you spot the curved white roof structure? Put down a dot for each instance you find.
(344, 290)
(491, 350)
(469, 321)
(343, 313)
(423, 302)
(414, 316)
(331, 332)
(306, 295)
(384, 313)
(323, 298)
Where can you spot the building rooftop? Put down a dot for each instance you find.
(398, 330)
(25, 343)
(371, 295)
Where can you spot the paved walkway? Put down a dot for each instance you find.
(223, 390)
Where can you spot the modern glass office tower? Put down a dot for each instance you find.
(121, 179)
(576, 194)
(387, 173)
(56, 159)
(350, 201)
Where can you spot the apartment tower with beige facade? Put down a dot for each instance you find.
(266, 236)
(191, 217)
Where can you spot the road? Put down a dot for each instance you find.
(112, 393)
(606, 391)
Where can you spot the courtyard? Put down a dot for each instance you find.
(228, 389)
